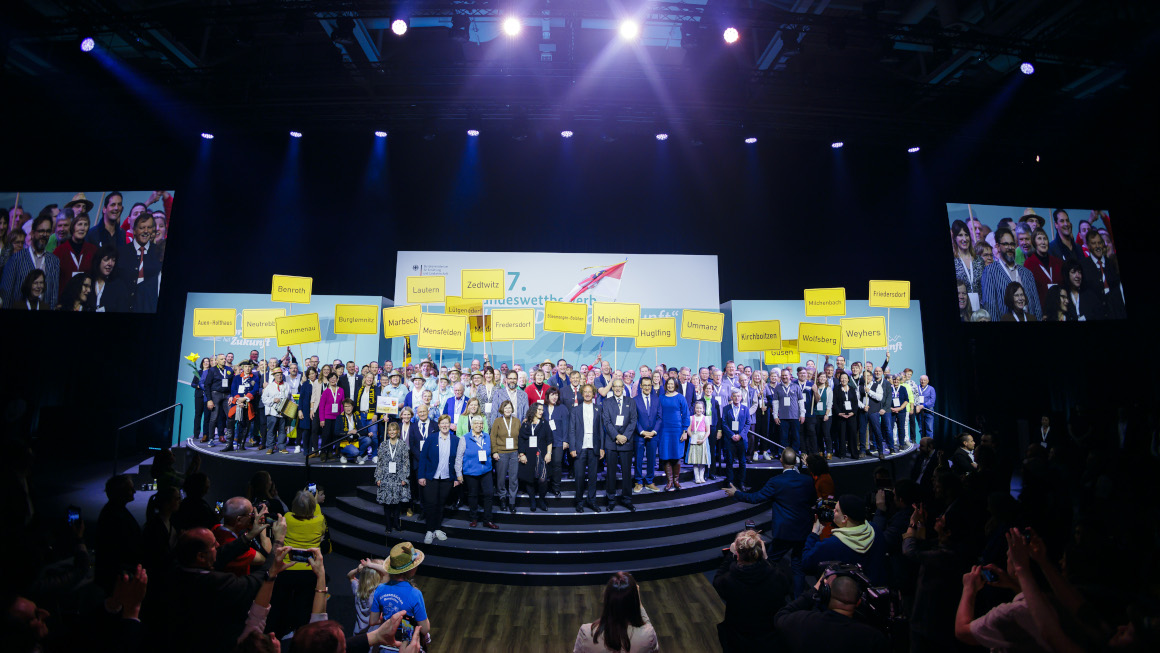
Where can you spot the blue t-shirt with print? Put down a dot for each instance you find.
(389, 598)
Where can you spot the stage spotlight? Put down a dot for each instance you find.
(662, 136)
(1027, 68)
(381, 134)
(399, 27)
(629, 30)
(914, 149)
(296, 134)
(473, 132)
(88, 44)
(512, 26)
(837, 145)
(567, 133)
(207, 136)
(751, 140)
(731, 35)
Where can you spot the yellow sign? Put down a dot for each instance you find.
(819, 338)
(890, 294)
(442, 331)
(702, 325)
(295, 290)
(259, 322)
(426, 290)
(513, 324)
(788, 353)
(565, 317)
(480, 328)
(356, 318)
(401, 321)
(822, 302)
(763, 335)
(453, 305)
(863, 332)
(298, 329)
(657, 332)
(213, 322)
(481, 284)
(610, 319)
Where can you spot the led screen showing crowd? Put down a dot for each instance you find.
(98, 252)
(1025, 264)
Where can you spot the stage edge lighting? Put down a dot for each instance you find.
(731, 35)
(87, 44)
(837, 145)
(399, 27)
(296, 134)
(207, 136)
(512, 26)
(629, 29)
(913, 150)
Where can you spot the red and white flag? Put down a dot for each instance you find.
(607, 279)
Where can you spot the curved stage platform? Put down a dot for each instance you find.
(670, 534)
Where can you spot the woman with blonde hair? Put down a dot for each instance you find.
(752, 589)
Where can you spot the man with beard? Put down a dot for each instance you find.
(34, 257)
(1002, 272)
(109, 232)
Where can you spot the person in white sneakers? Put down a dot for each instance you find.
(276, 392)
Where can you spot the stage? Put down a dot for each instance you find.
(670, 534)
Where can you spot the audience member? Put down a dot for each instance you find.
(854, 541)
(623, 624)
(751, 588)
(810, 624)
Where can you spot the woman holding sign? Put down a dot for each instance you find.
(535, 454)
(673, 432)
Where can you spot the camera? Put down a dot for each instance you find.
(74, 515)
(880, 607)
(221, 506)
(312, 488)
(301, 555)
(824, 510)
(990, 576)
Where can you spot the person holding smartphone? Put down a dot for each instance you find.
(399, 593)
(752, 589)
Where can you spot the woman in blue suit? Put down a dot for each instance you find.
(674, 425)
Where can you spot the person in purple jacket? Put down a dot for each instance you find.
(329, 408)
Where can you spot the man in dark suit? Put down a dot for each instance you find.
(570, 392)
(963, 459)
(619, 426)
(734, 425)
(350, 381)
(925, 463)
(793, 497)
(1101, 276)
(584, 443)
(648, 413)
(687, 387)
(138, 267)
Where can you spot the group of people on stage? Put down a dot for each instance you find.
(496, 429)
(1017, 273)
(71, 259)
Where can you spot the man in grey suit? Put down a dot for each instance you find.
(510, 392)
(619, 425)
(33, 257)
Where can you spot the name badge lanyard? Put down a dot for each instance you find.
(507, 422)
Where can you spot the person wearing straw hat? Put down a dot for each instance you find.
(79, 204)
(399, 593)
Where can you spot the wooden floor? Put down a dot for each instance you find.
(474, 617)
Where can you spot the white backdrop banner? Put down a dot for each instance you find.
(532, 278)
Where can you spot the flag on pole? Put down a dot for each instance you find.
(607, 279)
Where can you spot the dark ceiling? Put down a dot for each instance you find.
(884, 69)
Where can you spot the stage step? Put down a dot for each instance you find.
(563, 570)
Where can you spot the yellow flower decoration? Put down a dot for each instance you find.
(192, 357)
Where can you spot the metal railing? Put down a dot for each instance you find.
(117, 440)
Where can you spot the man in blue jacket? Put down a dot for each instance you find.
(648, 413)
(734, 424)
(853, 540)
(793, 496)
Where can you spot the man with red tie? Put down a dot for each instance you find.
(139, 267)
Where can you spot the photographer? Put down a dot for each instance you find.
(854, 541)
(793, 496)
(893, 509)
(808, 626)
(240, 518)
(752, 589)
